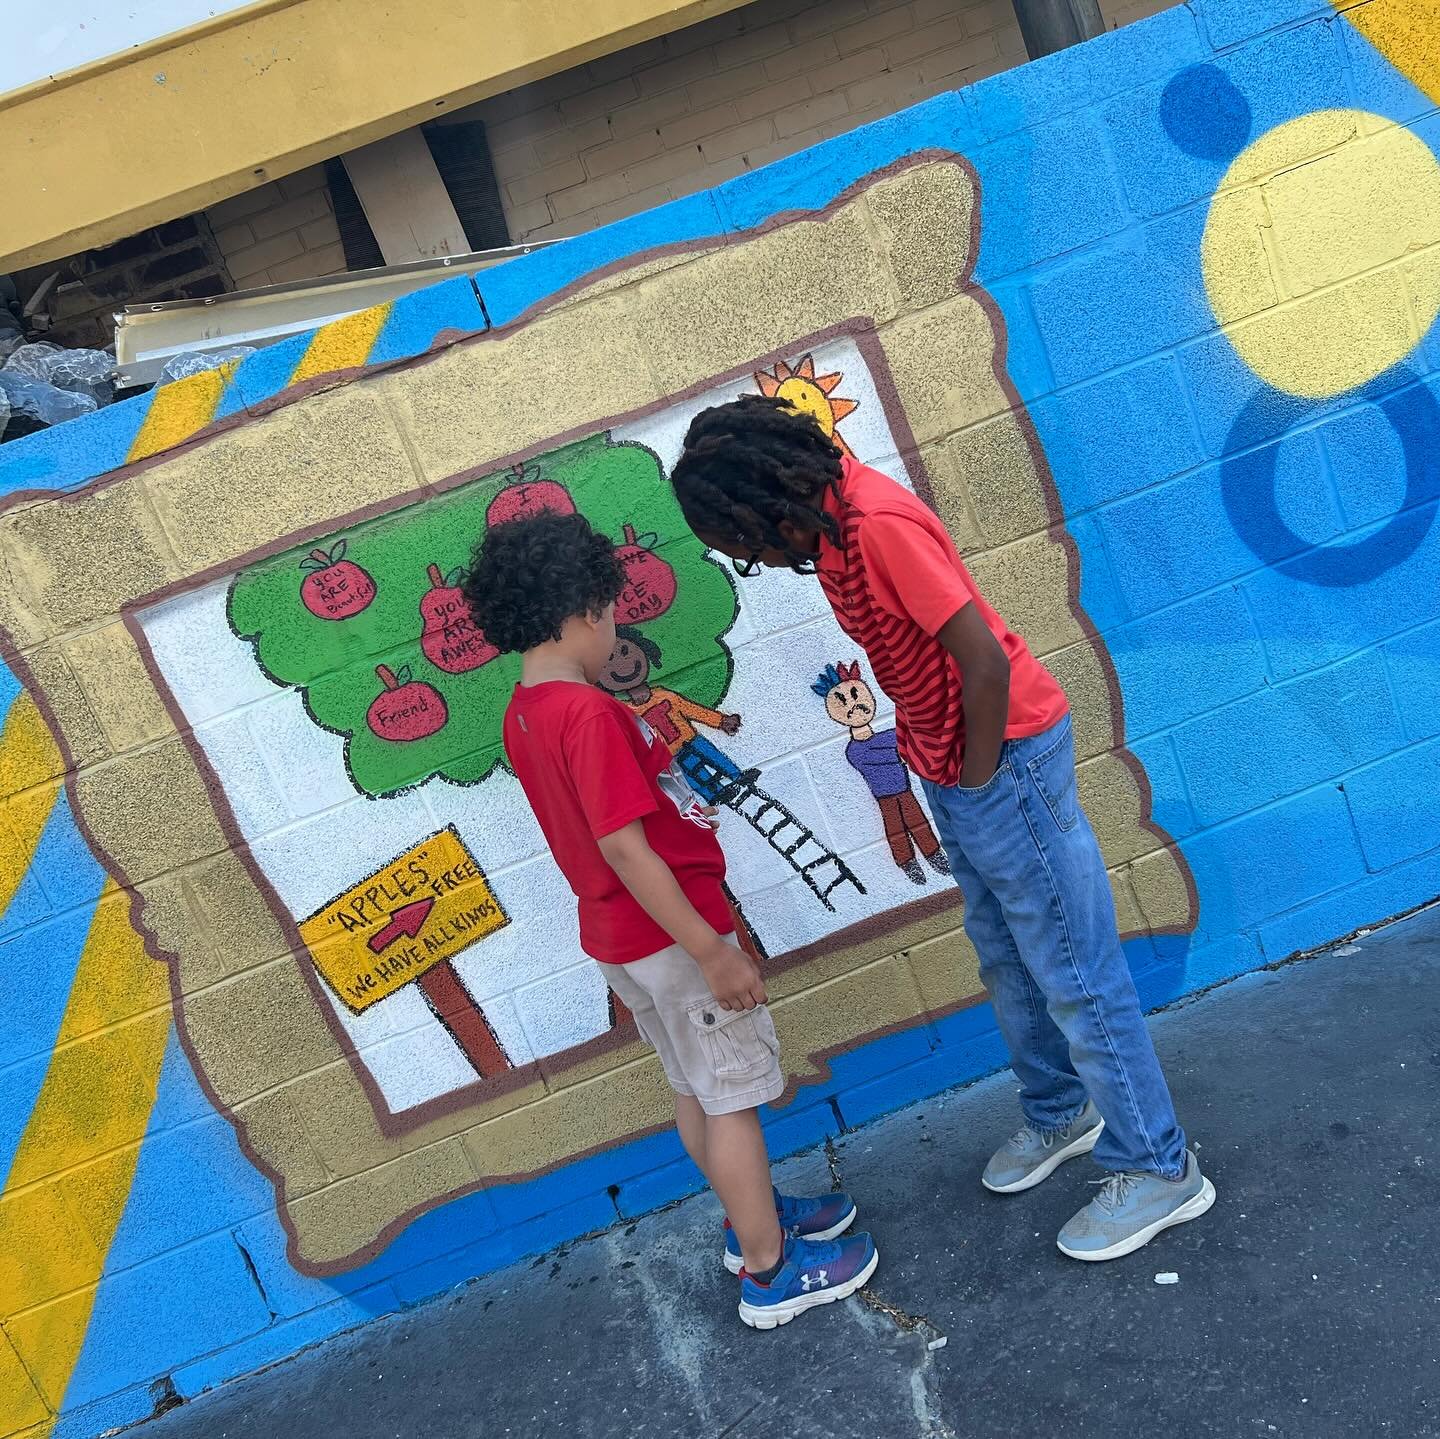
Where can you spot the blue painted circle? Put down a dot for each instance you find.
(1247, 484)
(1205, 114)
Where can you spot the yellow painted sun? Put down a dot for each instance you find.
(811, 394)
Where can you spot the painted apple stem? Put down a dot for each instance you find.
(437, 580)
(387, 677)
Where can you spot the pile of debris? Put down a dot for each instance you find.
(46, 384)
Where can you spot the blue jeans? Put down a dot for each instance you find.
(1039, 911)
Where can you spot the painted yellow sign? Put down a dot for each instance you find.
(418, 911)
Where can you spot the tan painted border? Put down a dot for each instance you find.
(836, 957)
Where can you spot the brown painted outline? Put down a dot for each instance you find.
(861, 330)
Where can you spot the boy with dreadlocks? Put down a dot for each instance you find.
(640, 853)
(987, 730)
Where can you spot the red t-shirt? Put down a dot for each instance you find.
(893, 583)
(589, 767)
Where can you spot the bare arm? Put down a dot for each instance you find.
(985, 689)
(733, 978)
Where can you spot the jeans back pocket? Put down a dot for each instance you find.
(1054, 775)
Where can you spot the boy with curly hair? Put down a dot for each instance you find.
(639, 851)
(987, 729)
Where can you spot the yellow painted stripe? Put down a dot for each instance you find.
(179, 410)
(76, 1160)
(1406, 33)
(30, 766)
(342, 344)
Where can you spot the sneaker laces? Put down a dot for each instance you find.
(1115, 1189)
(1020, 1140)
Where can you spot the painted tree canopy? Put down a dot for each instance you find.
(371, 628)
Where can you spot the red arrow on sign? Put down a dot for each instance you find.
(405, 923)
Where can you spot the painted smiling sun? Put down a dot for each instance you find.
(809, 393)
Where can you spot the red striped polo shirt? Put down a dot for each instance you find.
(894, 582)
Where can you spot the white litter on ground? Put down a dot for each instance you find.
(1348, 949)
(1167, 1278)
(939, 1343)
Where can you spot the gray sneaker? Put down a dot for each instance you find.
(1031, 1156)
(1131, 1209)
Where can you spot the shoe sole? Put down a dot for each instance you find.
(1191, 1209)
(1083, 1145)
(771, 1316)
(734, 1263)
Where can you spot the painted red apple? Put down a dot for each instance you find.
(405, 709)
(334, 588)
(649, 581)
(452, 641)
(527, 496)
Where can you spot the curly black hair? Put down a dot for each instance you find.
(752, 463)
(528, 576)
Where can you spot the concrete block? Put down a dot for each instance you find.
(276, 1136)
(108, 669)
(1021, 580)
(1367, 902)
(480, 403)
(1170, 804)
(291, 215)
(49, 1250)
(1153, 543)
(1265, 863)
(1228, 22)
(1174, 140)
(279, 1340)
(1315, 728)
(692, 325)
(941, 386)
(926, 232)
(1140, 296)
(1034, 175)
(1148, 434)
(67, 455)
(812, 179)
(1186, 660)
(417, 321)
(659, 1187)
(119, 800)
(1393, 806)
(1413, 663)
(1110, 798)
(809, 1022)
(1367, 464)
(1083, 676)
(73, 564)
(85, 739)
(273, 476)
(20, 1402)
(537, 1235)
(331, 1220)
(257, 1030)
(947, 971)
(798, 1126)
(1308, 625)
(905, 1085)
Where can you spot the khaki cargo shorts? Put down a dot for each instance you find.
(727, 1059)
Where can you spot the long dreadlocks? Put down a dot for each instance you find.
(752, 463)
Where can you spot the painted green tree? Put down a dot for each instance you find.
(369, 626)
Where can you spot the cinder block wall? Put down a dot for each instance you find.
(1209, 263)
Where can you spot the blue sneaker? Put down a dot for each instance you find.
(814, 1272)
(824, 1218)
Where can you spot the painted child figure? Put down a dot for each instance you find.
(639, 851)
(875, 756)
(987, 729)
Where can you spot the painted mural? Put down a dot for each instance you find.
(306, 1033)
